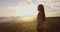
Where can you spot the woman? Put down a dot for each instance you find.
(40, 18)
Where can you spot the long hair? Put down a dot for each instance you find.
(41, 10)
(40, 7)
(40, 18)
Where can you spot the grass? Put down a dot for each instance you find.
(51, 24)
(18, 26)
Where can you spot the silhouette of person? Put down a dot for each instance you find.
(40, 18)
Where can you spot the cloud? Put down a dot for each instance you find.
(53, 13)
(25, 3)
(52, 7)
(8, 11)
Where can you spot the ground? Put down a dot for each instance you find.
(51, 24)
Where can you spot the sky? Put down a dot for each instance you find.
(16, 7)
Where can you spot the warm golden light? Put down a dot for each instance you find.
(27, 11)
(27, 18)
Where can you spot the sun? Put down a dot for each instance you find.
(27, 18)
(27, 11)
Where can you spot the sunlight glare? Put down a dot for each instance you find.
(26, 18)
(27, 11)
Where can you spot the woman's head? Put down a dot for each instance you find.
(40, 7)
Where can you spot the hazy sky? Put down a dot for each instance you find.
(11, 7)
